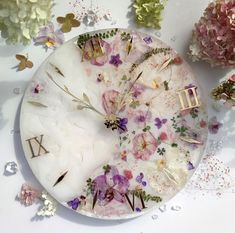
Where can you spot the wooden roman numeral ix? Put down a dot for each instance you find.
(33, 142)
(188, 98)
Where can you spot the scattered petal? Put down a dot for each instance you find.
(68, 22)
(28, 195)
(24, 62)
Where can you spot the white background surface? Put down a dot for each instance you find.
(199, 213)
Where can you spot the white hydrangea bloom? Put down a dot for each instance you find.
(20, 20)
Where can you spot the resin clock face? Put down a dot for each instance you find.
(113, 124)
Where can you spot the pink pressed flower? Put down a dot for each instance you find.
(163, 136)
(110, 100)
(49, 38)
(28, 195)
(178, 60)
(128, 174)
(214, 35)
(144, 145)
(37, 89)
(94, 53)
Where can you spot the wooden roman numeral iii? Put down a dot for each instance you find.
(188, 98)
(33, 142)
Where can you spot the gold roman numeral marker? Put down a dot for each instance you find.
(188, 98)
(36, 142)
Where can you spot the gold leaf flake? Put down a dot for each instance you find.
(24, 62)
(190, 140)
(37, 104)
(57, 69)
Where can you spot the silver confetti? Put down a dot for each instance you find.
(113, 22)
(155, 216)
(158, 34)
(217, 106)
(176, 208)
(16, 91)
(107, 17)
(173, 38)
(90, 18)
(11, 168)
(162, 208)
(15, 131)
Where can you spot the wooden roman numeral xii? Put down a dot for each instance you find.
(36, 142)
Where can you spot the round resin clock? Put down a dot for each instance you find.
(113, 124)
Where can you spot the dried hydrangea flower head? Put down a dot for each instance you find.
(149, 12)
(213, 38)
(20, 20)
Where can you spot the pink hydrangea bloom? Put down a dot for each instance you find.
(28, 195)
(214, 35)
(144, 145)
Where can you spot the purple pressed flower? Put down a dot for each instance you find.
(190, 166)
(137, 89)
(122, 122)
(115, 60)
(142, 117)
(138, 209)
(49, 38)
(111, 186)
(139, 179)
(159, 122)
(148, 39)
(74, 203)
(214, 125)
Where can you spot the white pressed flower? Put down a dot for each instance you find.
(20, 20)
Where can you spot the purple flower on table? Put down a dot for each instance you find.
(144, 145)
(148, 39)
(74, 203)
(190, 166)
(140, 180)
(137, 90)
(159, 122)
(97, 51)
(142, 117)
(49, 38)
(122, 122)
(214, 125)
(115, 60)
(110, 186)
